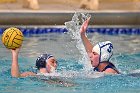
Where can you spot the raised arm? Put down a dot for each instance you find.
(86, 42)
(15, 72)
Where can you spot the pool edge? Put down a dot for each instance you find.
(60, 17)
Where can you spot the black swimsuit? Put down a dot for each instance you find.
(110, 65)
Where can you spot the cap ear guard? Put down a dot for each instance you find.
(40, 64)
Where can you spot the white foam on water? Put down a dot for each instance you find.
(135, 71)
(82, 74)
(49, 74)
(73, 74)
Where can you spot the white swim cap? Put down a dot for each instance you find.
(104, 49)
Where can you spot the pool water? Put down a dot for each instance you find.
(74, 69)
(71, 67)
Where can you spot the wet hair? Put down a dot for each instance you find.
(42, 60)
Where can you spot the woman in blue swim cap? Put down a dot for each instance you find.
(99, 54)
(45, 63)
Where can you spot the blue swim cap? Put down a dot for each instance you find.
(42, 60)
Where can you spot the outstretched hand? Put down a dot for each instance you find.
(84, 26)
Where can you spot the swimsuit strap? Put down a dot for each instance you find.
(96, 69)
(110, 65)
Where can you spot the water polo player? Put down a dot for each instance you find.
(45, 63)
(100, 54)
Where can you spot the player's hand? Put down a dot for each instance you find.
(84, 26)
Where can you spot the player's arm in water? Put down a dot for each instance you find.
(86, 42)
(15, 72)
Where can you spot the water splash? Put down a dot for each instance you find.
(73, 28)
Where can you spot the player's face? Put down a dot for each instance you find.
(51, 64)
(94, 58)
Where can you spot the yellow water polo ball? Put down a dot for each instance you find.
(12, 38)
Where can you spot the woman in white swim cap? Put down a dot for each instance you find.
(45, 63)
(100, 54)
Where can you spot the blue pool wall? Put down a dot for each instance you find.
(104, 30)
